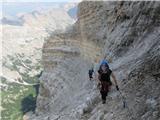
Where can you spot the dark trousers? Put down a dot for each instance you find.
(103, 95)
(104, 89)
(90, 76)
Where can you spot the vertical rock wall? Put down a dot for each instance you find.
(128, 33)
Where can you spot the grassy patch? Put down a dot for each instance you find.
(17, 100)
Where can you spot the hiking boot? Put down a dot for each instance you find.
(103, 102)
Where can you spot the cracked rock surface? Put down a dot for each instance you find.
(129, 34)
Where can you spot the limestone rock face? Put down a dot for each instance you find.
(128, 33)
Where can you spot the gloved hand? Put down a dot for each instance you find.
(117, 87)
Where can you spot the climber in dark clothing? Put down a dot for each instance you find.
(90, 73)
(105, 83)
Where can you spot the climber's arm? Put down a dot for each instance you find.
(96, 76)
(98, 80)
(115, 80)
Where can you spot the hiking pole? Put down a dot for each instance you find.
(123, 99)
(125, 104)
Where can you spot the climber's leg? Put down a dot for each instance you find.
(104, 91)
(103, 96)
(90, 76)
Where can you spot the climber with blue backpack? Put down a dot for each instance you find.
(105, 83)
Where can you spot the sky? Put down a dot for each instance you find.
(40, 0)
(14, 7)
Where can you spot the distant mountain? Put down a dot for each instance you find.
(49, 20)
(73, 12)
(23, 38)
(31, 18)
(11, 21)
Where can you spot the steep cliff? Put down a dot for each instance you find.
(128, 33)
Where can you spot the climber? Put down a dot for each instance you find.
(97, 65)
(90, 73)
(105, 83)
